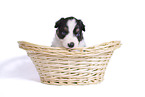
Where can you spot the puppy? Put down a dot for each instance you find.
(69, 33)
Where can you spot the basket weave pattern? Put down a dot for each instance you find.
(80, 66)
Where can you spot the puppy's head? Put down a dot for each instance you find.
(69, 31)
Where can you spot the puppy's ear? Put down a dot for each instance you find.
(81, 25)
(58, 23)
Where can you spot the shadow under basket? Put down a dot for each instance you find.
(79, 66)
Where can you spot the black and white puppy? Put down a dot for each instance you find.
(69, 33)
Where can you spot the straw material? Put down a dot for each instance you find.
(80, 66)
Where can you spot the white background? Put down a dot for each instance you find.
(105, 20)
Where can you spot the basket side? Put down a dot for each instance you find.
(56, 70)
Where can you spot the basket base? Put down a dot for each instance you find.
(72, 83)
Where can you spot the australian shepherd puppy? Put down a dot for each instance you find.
(69, 33)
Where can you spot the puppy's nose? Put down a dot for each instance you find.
(71, 45)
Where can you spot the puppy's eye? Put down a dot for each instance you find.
(77, 30)
(65, 28)
(78, 34)
(64, 33)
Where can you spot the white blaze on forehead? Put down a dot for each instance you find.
(71, 25)
(70, 37)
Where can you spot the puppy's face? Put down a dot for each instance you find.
(69, 31)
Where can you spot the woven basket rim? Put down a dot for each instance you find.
(104, 43)
(98, 49)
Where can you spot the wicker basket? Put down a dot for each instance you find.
(80, 66)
